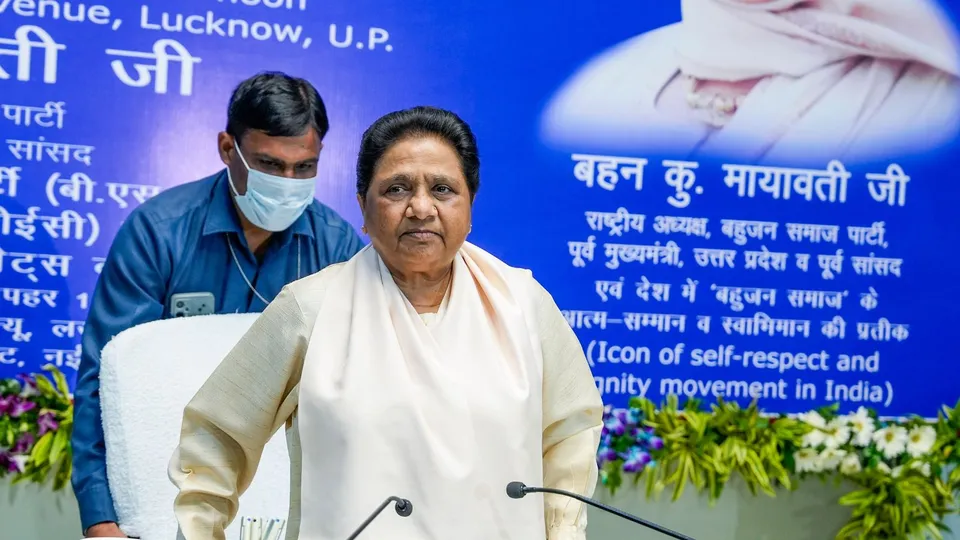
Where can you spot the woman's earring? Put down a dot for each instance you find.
(363, 229)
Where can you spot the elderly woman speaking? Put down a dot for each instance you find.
(423, 367)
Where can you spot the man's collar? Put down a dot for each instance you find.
(222, 214)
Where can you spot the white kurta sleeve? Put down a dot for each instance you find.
(232, 417)
(572, 420)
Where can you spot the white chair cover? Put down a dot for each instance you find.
(147, 376)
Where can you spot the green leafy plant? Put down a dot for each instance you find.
(897, 466)
(36, 420)
(948, 444)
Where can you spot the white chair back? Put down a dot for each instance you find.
(147, 375)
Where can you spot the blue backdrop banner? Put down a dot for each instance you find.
(727, 198)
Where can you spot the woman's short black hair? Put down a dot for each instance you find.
(278, 105)
(418, 122)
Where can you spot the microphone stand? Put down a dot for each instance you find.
(517, 490)
(403, 507)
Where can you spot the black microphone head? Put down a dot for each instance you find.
(516, 490)
(404, 507)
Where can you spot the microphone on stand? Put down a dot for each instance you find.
(518, 490)
(403, 507)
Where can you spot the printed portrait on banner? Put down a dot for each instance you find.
(769, 80)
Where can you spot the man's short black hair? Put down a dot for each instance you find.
(278, 105)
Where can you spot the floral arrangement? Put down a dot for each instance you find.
(36, 419)
(898, 466)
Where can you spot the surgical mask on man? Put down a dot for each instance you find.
(272, 203)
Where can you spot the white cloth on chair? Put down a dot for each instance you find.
(147, 376)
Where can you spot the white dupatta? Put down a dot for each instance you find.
(444, 414)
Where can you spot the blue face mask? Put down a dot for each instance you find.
(272, 203)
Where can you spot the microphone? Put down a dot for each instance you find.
(403, 507)
(518, 490)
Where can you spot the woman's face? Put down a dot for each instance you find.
(417, 210)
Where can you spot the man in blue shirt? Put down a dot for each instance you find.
(241, 234)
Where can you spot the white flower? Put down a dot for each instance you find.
(891, 440)
(807, 460)
(883, 467)
(862, 425)
(920, 440)
(921, 466)
(851, 464)
(21, 461)
(816, 436)
(27, 391)
(829, 459)
(916, 465)
(837, 433)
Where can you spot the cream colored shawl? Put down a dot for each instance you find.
(444, 414)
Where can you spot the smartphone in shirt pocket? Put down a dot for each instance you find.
(192, 304)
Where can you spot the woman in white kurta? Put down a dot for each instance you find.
(424, 368)
(771, 81)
